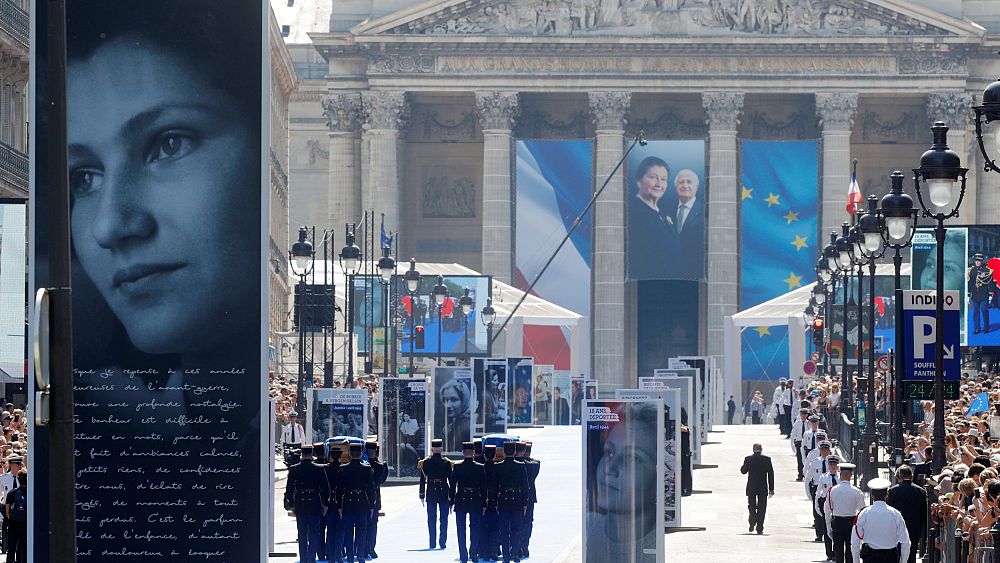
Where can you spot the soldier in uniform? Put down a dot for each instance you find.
(843, 502)
(434, 473)
(490, 533)
(478, 445)
(306, 494)
(523, 454)
(334, 550)
(798, 429)
(824, 478)
(356, 499)
(980, 285)
(381, 473)
(319, 458)
(468, 497)
(879, 532)
(509, 491)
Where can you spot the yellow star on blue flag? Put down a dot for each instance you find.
(799, 243)
(772, 199)
(793, 281)
(762, 330)
(747, 193)
(791, 216)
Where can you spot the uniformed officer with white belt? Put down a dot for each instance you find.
(880, 533)
(843, 503)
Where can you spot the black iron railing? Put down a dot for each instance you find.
(14, 163)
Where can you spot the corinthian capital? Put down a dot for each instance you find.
(951, 106)
(343, 112)
(497, 110)
(385, 109)
(723, 109)
(836, 110)
(609, 109)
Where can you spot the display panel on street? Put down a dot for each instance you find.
(490, 381)
(368, 314)
(671, 447)
(561, 411)
(519, 404)
(405, 412)
(554, 183)
(685, 386)
(13, 232)
(623, 481)
(336, 412)
(982, 319)
(542, 391)
(700, 363)
(923, 269)
(453, 407)
(694, 422)
(167, 121)
(665, 197)
(458, 336)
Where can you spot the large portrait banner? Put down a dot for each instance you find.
(671, 447)
(561, 411)
(923, 264)
(696, 408)
(336, 412)
(405, 412)
(685, 389)
(519, 404)
(454, 401)
(623, 481)
(490, 380)
(982, 284)
(167, 121)
(542, 391)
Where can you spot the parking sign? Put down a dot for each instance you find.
(920, 340)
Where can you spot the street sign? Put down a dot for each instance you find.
(809, 367)
(814, 356)
(883, 363)
(920, 341)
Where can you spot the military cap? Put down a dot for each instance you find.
(976, 256)
(848, 466)
(803, 411)
(833, 458)
(437, 443)
(521, 446)
(305, 449)
(371, 446)
(509, 447)
(468, 446)
(15, 459)
(478, 446)
(293, 413)
(879, 484)
(527, 446)
(781, 380)
(356, 448)
(826, 445)
(490, 447)
(813, 418)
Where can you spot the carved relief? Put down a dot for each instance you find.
(669, 124)
(497, 110)
(799, 125)
(723, 109)
(401, 63)
(315, 149)
(609, 109)
(384, 109)
(874, 130)
(836, 110)
(954, 107)
(666, 17)
(343, 112)
(931, 63)
(426, 124)
(445, 197)
(538, 124)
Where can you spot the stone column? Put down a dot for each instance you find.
(385, 112)
(954, 108)
(723, 110)
(608, 274)
(497, 112)
(836, 115)
(343, 114)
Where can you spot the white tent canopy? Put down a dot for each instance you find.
(784, 310)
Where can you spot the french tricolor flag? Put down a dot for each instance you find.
(854, 196)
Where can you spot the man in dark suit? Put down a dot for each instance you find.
(689, 220)
(760, 486)
(911, 501)
(561, 407)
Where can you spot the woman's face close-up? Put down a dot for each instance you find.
(954, 275)
(625, 470)
(161, 167)
(452, 403)
(653, 183)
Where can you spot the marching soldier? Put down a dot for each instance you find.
(810, 438)
(434, 473)
(468, 496)
(825, 478)
(478, 445)
(356, 499)
(334, 550)
(381, 473)
(843, 502)
(509, 491)
(319, 458)
(533, 466)
(306, 494)
(490, 533)
(880, 533)
(798, 428)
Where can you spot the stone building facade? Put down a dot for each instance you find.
(398, 97)
(14, 55)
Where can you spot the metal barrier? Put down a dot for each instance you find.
(845, 436)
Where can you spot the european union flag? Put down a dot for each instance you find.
(980, 404)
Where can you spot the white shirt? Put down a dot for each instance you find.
(810, 442)
(292, 434)
(881, 527)
(845, 500)
(798, 426)
(8, 482)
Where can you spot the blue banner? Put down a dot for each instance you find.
(779, 198)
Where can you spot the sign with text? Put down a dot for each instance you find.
(336, 412)
(920, 340)
(671, 447)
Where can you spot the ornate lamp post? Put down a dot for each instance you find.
(844, 265)
(301, 257)
(440, 294)
(350, 261)
(488, 315)
(828, 269)
(412, 277)
(467, 304)
(989, 111)
(386, 268)
(940, 173)
(870, 225)
(897, 226)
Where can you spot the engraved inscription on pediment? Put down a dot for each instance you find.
(666, 17)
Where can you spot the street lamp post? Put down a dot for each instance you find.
(828, 269)
(843, 264)
(301, 258)
(897, 226)
(386, 268)
(350, 261)
(989, 111)
(440, 294)
(872, 249)
(488, 315)
(467, 304)
(941, 170)
(412, 278)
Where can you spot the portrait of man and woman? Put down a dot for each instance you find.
(666, 212)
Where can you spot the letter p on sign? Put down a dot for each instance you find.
(923, 335)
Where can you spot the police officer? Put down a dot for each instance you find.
(843, 503)
(880, 533)
(356, 499)
(434, 473)
(824, 478)
(334, 549)
(381, 472)
(468, 497)
(980, 285)
(810, 437)
(798, 428)
(306, 494)
(533, 466)
(509, 490)
(490, 534)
